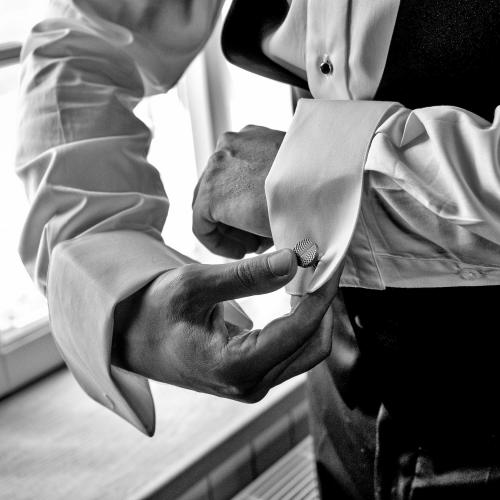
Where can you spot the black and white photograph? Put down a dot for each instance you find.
(250, 250)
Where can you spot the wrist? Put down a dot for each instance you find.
(130, 330)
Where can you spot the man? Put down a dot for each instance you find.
(421, 356)
(429, 218)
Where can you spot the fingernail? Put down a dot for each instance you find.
(280, 263)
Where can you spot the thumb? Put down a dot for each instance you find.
(263, 274)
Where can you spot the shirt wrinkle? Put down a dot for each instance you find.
(91, 61)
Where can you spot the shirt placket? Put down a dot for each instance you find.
(327, 48)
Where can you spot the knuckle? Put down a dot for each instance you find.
(199, 229)
(235, 384)
(234, 391)
(244, 393)
(196, 228)
(216, 165)
(254, 397)
(219, 157)
(185, 281)
(325, 347)
(250, 127)
(229, 136)
(226, 139)
(197, 208)
(232, 386)
(246, 275)
(202, 222)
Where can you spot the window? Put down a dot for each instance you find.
(212, 97)
(26, 349)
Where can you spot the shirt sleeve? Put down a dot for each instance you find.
(435, 170)
(93, 233)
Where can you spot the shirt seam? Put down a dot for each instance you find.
(374, 258)
(436, 259)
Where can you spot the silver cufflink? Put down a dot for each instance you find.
(307, 253)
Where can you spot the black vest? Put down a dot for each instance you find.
(429, 354)
(443, 52)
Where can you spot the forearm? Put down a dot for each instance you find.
(128, 346)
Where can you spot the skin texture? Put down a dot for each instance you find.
(174, 330)
(229, 206)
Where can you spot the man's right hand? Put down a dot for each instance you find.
(174, 329)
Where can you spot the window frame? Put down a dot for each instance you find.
(10, 53)
(28, 354)
(18, 363)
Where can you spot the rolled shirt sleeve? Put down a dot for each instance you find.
(93, 233)
(405, 198)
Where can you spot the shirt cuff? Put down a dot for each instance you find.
(87, 277)
(314, 187)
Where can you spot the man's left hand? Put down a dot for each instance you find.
(229, 206)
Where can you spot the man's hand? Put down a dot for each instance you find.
(229, 206)
(174, 330)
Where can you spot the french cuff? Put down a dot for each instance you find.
(88, 277)
(314, 187)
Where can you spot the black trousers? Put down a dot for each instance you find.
(406, 405)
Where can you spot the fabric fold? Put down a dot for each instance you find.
(314, 187)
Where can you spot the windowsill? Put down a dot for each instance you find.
(57, 443)
(25, 355)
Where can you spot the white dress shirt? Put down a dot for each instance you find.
(93, 235)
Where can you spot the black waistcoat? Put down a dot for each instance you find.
(442, 52)
(445, 52)
(428, 354)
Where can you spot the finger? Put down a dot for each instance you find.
(225, 246)
(207, 230)
(294, 300)
(315, 350)
(265, 244)
(225, 140)
(218, 237)
(209, 234)
(251, 242)
(197, 189)
(251, 126)
(284, 336)
(255, 276)
(311, 354)
(230, 242)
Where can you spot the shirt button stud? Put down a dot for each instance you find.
(326, 66)
(469, 274)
